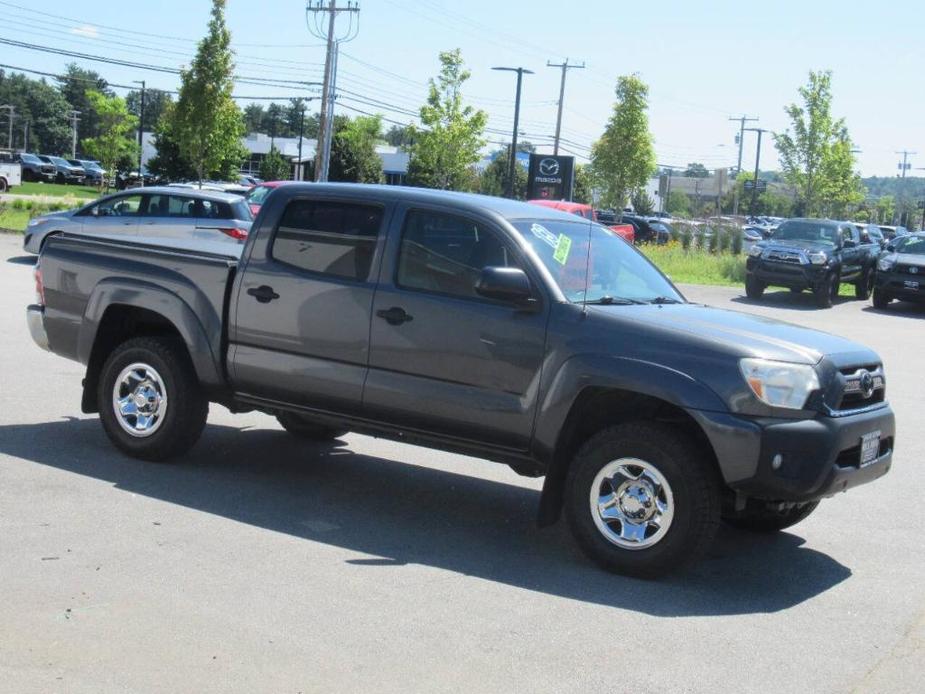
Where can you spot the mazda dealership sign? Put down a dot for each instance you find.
(550, 177)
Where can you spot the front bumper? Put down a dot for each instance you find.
(35, 319)
(905, 287)
(797, 276)
(819, 457)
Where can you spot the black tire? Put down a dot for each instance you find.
(754, 289)
(3, 185)
(824, 294)
(864, 286)
(690, 475)
(59, 178)
(881, 298)
(186, 409)
(759, 518)
(305, 429)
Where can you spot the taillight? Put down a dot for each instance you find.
(39, 287)
(235, 233)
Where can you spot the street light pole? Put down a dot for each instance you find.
(521, 71)
(141, 122)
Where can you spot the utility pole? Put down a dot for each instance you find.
(742, 121)
(141, 121)
(565, 68)
(301, 133)
(74, 120)
(315, 11)
(25, 136)
(513, 163)
(12, 110)
(757, 162)
(905, 165)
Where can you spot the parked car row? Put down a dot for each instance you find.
(52, 169)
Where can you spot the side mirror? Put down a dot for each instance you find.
(891, 247)
(849, 243)
(505, 284)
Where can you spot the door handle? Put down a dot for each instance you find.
(395, 315)
(263, 293)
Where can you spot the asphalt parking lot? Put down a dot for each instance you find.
(262, 564)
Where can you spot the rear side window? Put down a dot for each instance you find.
(330, 238)
(446, 254)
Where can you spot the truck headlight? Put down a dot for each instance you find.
(778, 383)
(885, 264)
(755, 251)
(818, 258)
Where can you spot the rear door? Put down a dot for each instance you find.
(852, 253)
(443, 359)
(164, 216)
(300, 330)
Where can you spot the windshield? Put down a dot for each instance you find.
(258, 194)
(59, 161)
(31, 159)
(619, 273)
(914, 245)
(806, 231)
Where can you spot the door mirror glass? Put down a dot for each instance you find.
(849, 243)
(504, 284)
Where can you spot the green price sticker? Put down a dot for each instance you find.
(563, 246)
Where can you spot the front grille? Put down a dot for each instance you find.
(861, 387)
(783, 257)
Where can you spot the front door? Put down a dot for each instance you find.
(443, 359)
(115, 216)
(300, 330)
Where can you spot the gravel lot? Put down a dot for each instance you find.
(260, 564)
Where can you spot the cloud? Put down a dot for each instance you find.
(87, 30)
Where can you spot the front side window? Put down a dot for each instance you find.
(331, 238)
(446, 254)
(609, 271)
(124, 206)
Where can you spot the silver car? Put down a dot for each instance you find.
(158, 212)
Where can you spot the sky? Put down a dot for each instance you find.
(704, 62)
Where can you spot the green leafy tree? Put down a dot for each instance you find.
(696, 170)
(353, 151)
(494, 179)
(886, 208)
(815, 151)
(74, 85)
(275, 167)
(42, 106)
(156, 102)
(117, 127)
(583, 189)
(623, 159)
(443, 151)
(679, 203)
(642, 202)
(253, 118)
(209, 125)
(398, 136)
(169, 161)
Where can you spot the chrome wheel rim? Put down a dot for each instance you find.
(631, 503)
(139, 400)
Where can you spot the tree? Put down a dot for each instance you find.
(494, 179)
(444, 149)
(156, 102)
(117, 127)
(679, 203)
(43, 107)
(74, 86)
(886, 208)
(353, 151)
(275, 167)
(642, 202)
(209, 125)
(398, 135)
(169, 163)
(253, 118)
(696, 170)
(583, 190)
(623, 159)
(816, 151)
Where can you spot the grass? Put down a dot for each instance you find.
(15, 214)
(14, 220)
(58, 190)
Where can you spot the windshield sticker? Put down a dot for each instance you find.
(563, 246)
(544, 235)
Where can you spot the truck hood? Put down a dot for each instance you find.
(706, 333)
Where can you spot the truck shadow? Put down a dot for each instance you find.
(786, 299)
(401, 514)
(903, 309)
(22, 259)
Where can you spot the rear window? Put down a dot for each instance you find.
(330, 238)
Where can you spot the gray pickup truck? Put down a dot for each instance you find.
(465, 323)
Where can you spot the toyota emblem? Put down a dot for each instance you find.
(866, 383)
(549, 167)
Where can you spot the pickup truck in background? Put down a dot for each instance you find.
(815, 254)
(502, 330)
(10, 175)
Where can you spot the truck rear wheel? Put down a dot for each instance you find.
(150, 402)
(762, 518)
(754, 289)
(306, 429)
(642, 499)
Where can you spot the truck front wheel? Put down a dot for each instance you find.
(826, 291)
(150, 402)
(642, 499)
(762, 518)
(754, 289)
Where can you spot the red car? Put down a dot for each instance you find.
(256, 195)
(625, 231)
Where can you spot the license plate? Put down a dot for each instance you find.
(909, 284)
(870, 447)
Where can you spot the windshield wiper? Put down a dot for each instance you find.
(663, 300)
(610, 300)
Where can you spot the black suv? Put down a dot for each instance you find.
(814, 254)
(901, 271)
(34, 169)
